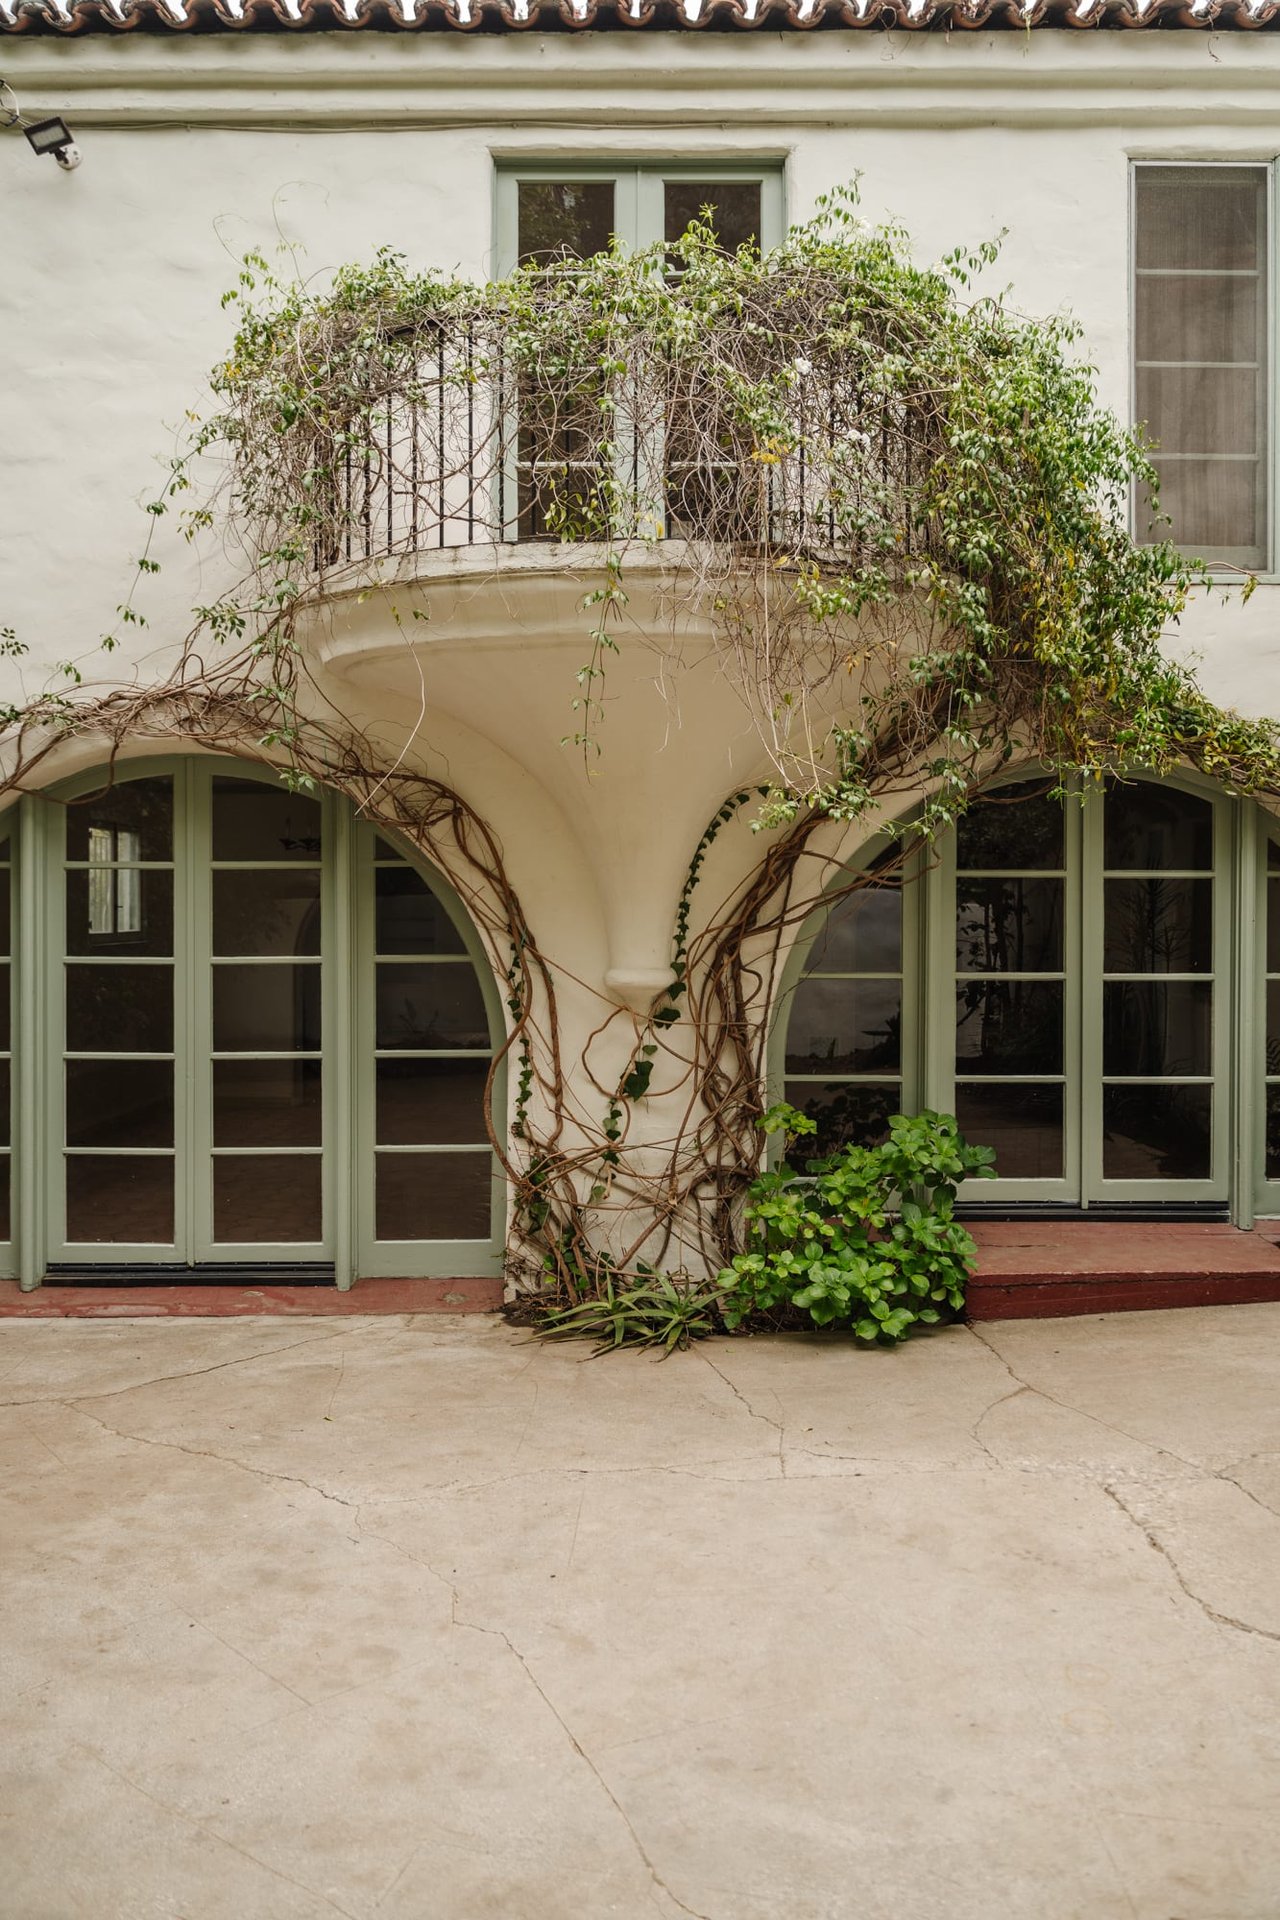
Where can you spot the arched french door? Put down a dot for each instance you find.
(1066, 980)
(258, 1036)
(1093, 981)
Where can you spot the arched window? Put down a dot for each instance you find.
(259, 1036)
(1076, 986)
(850, 1026)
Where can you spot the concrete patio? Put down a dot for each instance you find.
(411, 1618)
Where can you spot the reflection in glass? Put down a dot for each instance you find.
(267, 1103)
(862, 934)
(559, 218)
(267, 1197)
(134, 915)
(1022, 1123)
(137, 816)
(1273, 923)
(1158, 926)
(1013, 829)
(1156, 1133)
(426, 1103)
(845, 1026)
(1157, 1028)
(266, 1008)
(253, 821)
(6, 1219)
(119, 1009)
(1273, 1133)
(846, 1111)
(5, 929)
(409, 917)
(734, 208)
(1009, 926)
(383, 850)
(1009, 1026)
(429, 1005)
(6, 1103)
(119, 1103)
(433, 1196)
(1156, 828)
(120, 1198)
(268, 911)
(5, 1009)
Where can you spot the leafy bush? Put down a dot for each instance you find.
(656, 1311)
(865, 1238)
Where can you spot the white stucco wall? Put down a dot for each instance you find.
(196, 149)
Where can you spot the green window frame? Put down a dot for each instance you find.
(639, 201)
(350, 857)
(1190, 323)
(1242, 1031)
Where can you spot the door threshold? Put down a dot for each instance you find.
(204, 1273)
(1213, 1212)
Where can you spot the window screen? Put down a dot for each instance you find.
(1201, 389)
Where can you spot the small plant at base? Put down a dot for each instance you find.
(866, 1238)
(656, 1311)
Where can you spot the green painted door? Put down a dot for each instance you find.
(265, 1036)
(1092, 967)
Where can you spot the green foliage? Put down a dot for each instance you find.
(654, 1311)
(875, 459)
(866, 1238)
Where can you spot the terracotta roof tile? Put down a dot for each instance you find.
(391, 16)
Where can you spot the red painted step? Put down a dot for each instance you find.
(184, 1302)
(1048, 1269)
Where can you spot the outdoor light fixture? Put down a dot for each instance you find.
(54, 136)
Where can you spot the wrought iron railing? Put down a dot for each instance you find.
(467, 443)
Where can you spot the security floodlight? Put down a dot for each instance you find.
(54, 136)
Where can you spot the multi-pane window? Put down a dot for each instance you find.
(223, 1081)
(664, 457)
(1201, 332)
(844, 1058)
(549, 214)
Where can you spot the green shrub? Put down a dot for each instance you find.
(866, 1238)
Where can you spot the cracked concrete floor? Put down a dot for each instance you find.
(417, 1620)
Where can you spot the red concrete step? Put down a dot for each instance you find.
(186, 1302)
(1051, 1268)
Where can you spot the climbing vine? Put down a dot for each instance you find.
(894, 503)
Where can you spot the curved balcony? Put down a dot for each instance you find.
(468, 439)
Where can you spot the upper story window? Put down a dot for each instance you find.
(549, 212)
(1201, 355)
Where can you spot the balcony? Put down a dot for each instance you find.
(462, 438)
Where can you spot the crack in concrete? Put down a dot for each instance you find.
(975, 1433)
(208, 1832)
(1157, 1546)
(208, 1453)
(194, 1373)
(498, 1633)
(777, 1425)
(1081, 1413)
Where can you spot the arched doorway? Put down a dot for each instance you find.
(1066, 979)
(258, 1036)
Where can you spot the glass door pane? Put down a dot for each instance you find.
(431, 1053)
(1011, 986)
(265, 1037)
(119, 1144)
(844, 1058)
(1158, 985)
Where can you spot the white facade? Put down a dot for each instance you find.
(198, 148)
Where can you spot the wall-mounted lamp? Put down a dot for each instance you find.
(54, 136)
